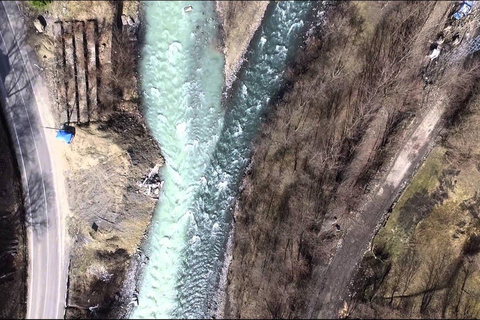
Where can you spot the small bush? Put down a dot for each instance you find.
(472, 246)
(39, 4)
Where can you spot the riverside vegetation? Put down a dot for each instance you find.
(113, 152)
(351, 96)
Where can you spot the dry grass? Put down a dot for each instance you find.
(105, 163)
(82, 10)
(98, 173)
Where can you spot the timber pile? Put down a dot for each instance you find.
(76, 65)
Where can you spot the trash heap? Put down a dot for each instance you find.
(151, 184)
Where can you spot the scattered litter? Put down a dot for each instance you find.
(127, 20)
(66, 134)
(93, 308)
(152, 183)
(124, 19)
(434, 54)
(40, 23)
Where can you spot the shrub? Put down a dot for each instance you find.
(39, 4)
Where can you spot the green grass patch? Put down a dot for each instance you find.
(393, 237)
(426, 179)
(39, 4)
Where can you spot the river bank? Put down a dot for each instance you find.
(113, 151)
(206, 145)
(109, 157)
(105, 168)
(241, 41)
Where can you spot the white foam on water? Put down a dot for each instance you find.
(259, 80)
(184, 113)
(206, 149)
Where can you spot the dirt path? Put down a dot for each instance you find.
(333, 281)
(356, 241)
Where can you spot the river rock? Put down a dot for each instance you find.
(124, 19)
(130, 21)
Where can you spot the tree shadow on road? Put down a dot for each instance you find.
(4, 66)
(37, 194)
(25, 129)
(12, 64)
(36, 203)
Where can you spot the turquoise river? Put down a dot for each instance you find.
(206, 142)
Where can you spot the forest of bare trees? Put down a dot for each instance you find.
(351, 90)
(438, 285)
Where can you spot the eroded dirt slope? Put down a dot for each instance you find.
(89, 52)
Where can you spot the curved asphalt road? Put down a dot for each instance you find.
(24, 99)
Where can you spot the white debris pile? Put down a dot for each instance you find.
(152, 183)
(435, 53)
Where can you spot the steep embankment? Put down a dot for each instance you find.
(354, 89)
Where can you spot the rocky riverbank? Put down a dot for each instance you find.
(106, 167)
(352, 92)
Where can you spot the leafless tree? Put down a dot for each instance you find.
(432, 277)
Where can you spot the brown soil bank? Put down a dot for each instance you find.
(239, 20)
(354, 92)
(90, 53)
(13, 261)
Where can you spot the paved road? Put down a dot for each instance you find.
(24, 100)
